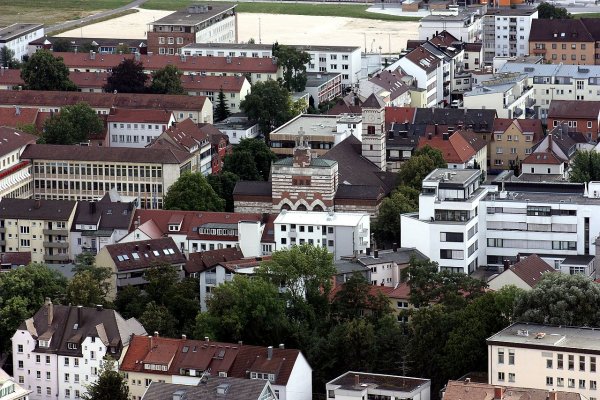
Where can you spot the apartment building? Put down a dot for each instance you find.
(466, 389)
(427, 70)
(129, 261)
(343, 234)
(360, 385)
(512, 141)
(79, 44)
(552, 82)
(232, 388)
(235, 89)
(525, 274)
(460, 149)
(344, 60)
(137, 128)
(16, 37)
(41, 227)
(448, 218)
(15, 175)
(578, 116)
(565, 41)
(184, 361)
(463, 24)
(198, 108)
(506, 32)
(392, 87)
(87, 173)
(545, 357)
(59, 351)
(197, 23)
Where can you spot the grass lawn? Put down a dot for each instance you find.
(52, 11)
(327, 9)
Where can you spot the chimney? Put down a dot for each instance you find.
(92, 207)
(136, 223)
(183, 336)
(240, 343)
(498, 393)
(50, 309)
(550, 143)
(445, 135)
(270, 353)
(79, 317)
(37, 204)
(281, 346)
(395, 247)
(375, 253)
(356, 380)
(506, 264)
(155, 333)
(368, 251)
(206, 339)
(518, 257)
(429, 136)
(99, 307)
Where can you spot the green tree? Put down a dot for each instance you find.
(43, 71)
(560, 299)
(354, 300)
(74, 124)
(301, 269)
(122, 49)
(585, 166)
(157, 318)
(131, 301)
(269, 104)
(550, 11)
(7, 58)
(161, 278)
(222, 110)
(191, 192)
(22, 293)
(127, 77)
(413, 171)
(223, 184)
(89, 46)
(261, 156)
(111, 384)
(61, 45)
(86, 262)
(245, 309)
(386, 227)
(293, 62)
(167, 80)
(84, 290)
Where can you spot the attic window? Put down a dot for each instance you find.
(125, 257)
(44, 343)
(72, 346)
(120, 258)
(156, 253)
(185, 349)
(135, 256)
(174, 228)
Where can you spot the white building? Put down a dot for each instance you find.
(546, 357)
(10, 389)
(446, 227)
(59, 351)
(238, 128)
(361, 385)
(428, 71)
(464, 25)
(15, 175)
(345, 60)
(343, 234)
(506, 32)
(17, 37)
(137, 128)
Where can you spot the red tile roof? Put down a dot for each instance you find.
(423, 59)
(543, 157)
(456, 390)
(184, 63)
(199, 262)
(142, 116)
(531, 268)
(11, 77)
(142, 254)
(10, 116)
(456, 150)
(12, 139)
(213, 83)
(399, 114)
(573, 109)
(186, 134)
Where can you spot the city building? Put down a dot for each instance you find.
(14, 260)
(462, 24)
(185, 362)
(237, 128)
(41, 227)
(343, 234)
(448, 219)
(506, 32)
(565, 41)
(579, 116)
(16, 37)
(545, 357)
(136, 128)
(59, 351)
(460, 149)
(15, 175)
(345, 60)
(360, 385)
(512, 141)
(198, 23)
(79, 44)
(235, 88)
(525, 274)
(214, 386)
(129, 261)
(87, 173)
(427, 70)
(392, 88)
(10, 389)
(323, 86)
(469, 390)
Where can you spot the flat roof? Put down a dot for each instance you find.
(319, 78)
(15, 30)
(549, 336)
(319, 218)
(257, 46)
(325, 125)
(459, 176)
(187, 18)
(511, 11)
(349, 380)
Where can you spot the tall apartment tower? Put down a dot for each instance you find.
(373, 134)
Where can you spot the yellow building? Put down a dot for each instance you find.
(512, 141)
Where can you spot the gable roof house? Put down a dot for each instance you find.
(128, 261)
(525, 274)
(468, 390)
(15, 176)
(392, 87)
(580, 116)
(230, 388)
(72, 341)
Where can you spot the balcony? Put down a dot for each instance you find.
(58, 245)
(62, 232)
(56, 257)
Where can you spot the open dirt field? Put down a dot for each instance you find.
(287, 29)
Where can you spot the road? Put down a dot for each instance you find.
(91, 18)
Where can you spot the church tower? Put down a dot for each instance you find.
(373, 134)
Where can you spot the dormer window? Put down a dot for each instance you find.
(174, 227)
(44, 343)
(261, 375)
(72, 346)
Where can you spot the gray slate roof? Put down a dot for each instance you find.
(234, 388)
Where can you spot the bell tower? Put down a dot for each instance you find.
(373, 134)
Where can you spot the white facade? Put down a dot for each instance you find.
(446, 228)
(545, 357)
(237, 128)
(136, 134)
(506, 33)
(360, 385)
(463, 25)
(299, 385)
(426, 80)
(343, 234)
(17, 37)
(10, 389)
(509, 94)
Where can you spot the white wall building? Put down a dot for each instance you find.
(462, 24)
(238, 128)
(506, 32)
(362, 385)
(137, 128)
(343, 234)
(554, 358)
(17, 37)
(446, 227)
(428, 71)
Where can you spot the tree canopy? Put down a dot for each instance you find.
(74, 124)
(223, 185)
(43, 71)
(222, 109)
(127, 77)
(250, 160)
(386, 227)
(585, 166)
(191, 192)
(270, 105)
(293, 62)
(423, 161)
(7, 58)
(111, 384)
(167, 80)
(550, 11)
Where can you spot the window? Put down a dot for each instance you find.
(38, 359)
(66, 361)
(501, 376)
(92, 355)
(47, 359)
(589, 124)
(592, 364)
(48, 375)
(559, 361)
(571, 382)
(67, 393)
(549, 381)
(448, 254)
(560, 382)
(582, 363)
(549, 363)
(331, 394)
(457, 237)
(38, 374)
(20, 364)
(511, 377)
(571, 362)
(66, 377)
(500, 356)
(24, 230)
(593, 385)
(511, 357)
(582, 384)
(19, 348)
